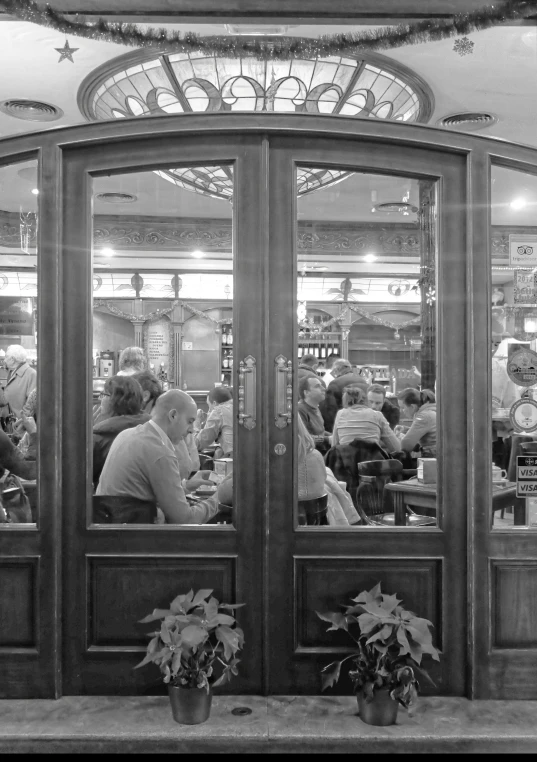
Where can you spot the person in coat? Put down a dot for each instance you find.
(343, 376)
(21, 380)
(421, 408)
(121, 404)
(308, 367)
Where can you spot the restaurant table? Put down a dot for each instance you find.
(416, 495)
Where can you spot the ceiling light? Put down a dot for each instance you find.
(35, 191)
(370, 258)
(518, 203)
(197, 254)
(107, 252)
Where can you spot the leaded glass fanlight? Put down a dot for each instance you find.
(145, 84)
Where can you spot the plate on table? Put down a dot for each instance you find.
(206, 491)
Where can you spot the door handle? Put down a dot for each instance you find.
(247, 374)
(283, 398)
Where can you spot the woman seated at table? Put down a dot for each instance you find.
(318, 487)
(421, 408)
(356, 420)
(219, 424)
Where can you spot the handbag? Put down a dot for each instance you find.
(14, 501)
(8, 421)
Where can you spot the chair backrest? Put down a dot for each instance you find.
(112, 509)
(313, 512)
(374, 474)
(344, 460)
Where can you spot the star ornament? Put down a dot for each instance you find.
(66, 52)
(464, 46)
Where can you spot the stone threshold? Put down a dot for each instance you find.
(276, 724)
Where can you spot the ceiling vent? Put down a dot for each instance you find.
(116, 198)
(31, 111)
(468, 120)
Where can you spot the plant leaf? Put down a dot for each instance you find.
(230, 639)
(337, 620)
(389, 603)
(330, 674)
(201, 595)
(193, 636)
(157, 614)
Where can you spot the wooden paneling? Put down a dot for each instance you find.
(322, 584)
(514, 614)
(114, 612)
(18, 603)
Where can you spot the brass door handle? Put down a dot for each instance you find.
(283, 397)
(247, 383)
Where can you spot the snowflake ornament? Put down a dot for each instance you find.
(464, 46)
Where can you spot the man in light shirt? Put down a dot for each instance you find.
(142, 463)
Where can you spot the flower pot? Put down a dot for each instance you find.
(190, 706)
(381, 711)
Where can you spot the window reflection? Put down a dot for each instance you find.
(366, 379)
(514, 346)
(163, 350)
(18, 344)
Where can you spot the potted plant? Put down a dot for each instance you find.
(390, 644)
(196, 649)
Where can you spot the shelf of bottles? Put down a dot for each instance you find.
(319, 345)
(226, 355)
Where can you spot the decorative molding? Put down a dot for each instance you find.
(132, 232)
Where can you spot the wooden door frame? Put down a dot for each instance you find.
(298, 556)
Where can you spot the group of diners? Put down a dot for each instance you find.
(146, 451)
(349, 409)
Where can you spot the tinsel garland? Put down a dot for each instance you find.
(158, 313)
(275, 49)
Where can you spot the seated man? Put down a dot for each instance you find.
(142, 463)
(311, 393)
(376, 399)
(219, 424)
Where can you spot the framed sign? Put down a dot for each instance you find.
(523, 250)
(522, 367)
(525, 287)
(16, 316)
(523, 415)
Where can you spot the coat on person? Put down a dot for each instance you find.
(104, 434)
(17, 388)
(343, 461)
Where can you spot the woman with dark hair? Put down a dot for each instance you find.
(356, 420)
(121, 404)
(421, 408)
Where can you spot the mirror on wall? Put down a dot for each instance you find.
(19, 419)
(367, 452)
(163, 340)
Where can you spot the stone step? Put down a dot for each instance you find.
(295, 724)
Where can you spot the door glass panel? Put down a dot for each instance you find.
(514, 348)
(366, 307)
(18, 343)
(163, 347)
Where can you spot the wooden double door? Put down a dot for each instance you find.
(105, 578)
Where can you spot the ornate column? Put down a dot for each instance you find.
(138, 332)
(345, 327)
(427, 223)
(177, 319)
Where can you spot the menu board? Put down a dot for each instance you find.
(525, 287)
(158, 343)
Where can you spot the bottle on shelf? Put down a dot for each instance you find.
(225, 360)
(230, 359)
(230, 336)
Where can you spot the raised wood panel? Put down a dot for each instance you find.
(514, 614)
(122, 590)
(324, 583)
(18, 602)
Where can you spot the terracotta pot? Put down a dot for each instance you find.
(190, 706)
(381, 711)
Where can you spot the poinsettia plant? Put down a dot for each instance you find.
(198, 639)
(391, 642)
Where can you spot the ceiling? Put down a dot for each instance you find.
(500, 77)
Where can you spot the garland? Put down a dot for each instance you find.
(158, 313)
(275, 49)
(324, 325)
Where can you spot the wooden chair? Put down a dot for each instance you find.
(313, 512)
(371, 500)
(112, 509)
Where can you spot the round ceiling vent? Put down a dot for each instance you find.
(116, 198)
(32, 111)
(468, 120)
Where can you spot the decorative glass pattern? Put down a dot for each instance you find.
(190, 82)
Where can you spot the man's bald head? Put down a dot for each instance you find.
(175, 412)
